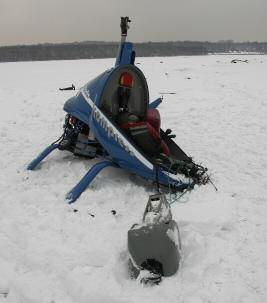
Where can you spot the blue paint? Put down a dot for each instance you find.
(77, 190)
(126, 54)
(155, 103)
(78, 107)
(41, 156)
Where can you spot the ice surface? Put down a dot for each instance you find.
(49, 253)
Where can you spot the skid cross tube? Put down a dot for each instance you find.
(77, 190)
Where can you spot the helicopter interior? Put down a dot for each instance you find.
(125, 101)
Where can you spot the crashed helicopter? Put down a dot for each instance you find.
(111, 118)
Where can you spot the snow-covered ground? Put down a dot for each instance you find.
(49, 253)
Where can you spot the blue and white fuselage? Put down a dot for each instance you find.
(90, 107)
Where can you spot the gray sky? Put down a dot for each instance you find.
(38, 21)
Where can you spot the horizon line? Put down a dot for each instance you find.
(135, 42)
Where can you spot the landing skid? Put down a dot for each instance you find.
(77, 190)
(41, 156)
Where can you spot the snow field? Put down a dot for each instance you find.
(51, 253)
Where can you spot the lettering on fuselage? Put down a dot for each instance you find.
(112, 131)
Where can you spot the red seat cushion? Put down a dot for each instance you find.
(153, 117)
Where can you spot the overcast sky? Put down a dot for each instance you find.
(38, 21)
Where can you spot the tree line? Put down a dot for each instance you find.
(91, 49)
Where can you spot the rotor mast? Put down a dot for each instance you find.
(125, 54)
(124, 28)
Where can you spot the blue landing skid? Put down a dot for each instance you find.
(41, 156)
(75, 193)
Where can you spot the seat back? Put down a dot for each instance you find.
(126, 87)
(153, 117)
